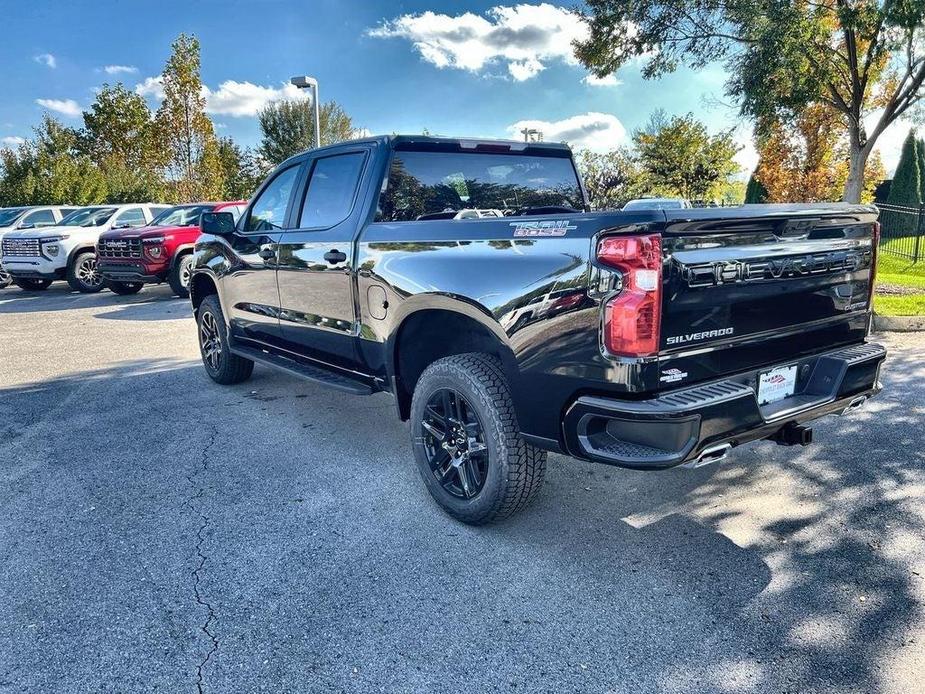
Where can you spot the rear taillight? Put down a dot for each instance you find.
(875, 249)
(633, 317)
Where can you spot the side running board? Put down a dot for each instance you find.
(304, 370)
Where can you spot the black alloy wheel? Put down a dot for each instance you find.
(222, 365)
(210, 342)
(454, 441)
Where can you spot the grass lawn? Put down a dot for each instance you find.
(899, 272)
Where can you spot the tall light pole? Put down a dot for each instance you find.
(532, 135)
(306, 82)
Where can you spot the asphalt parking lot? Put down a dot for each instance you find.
(161, 533)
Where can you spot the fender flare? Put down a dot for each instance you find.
(207, 272)
(79, 248)
(463, 306)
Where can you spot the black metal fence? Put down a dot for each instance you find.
(902, 230)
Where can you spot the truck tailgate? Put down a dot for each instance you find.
(740, 293)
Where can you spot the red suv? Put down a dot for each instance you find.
(128, 259)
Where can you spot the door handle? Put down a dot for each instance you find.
(335, 256)
(267, 253)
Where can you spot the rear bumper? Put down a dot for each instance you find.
(688, 424)
(131, 272)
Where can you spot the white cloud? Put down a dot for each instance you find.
(12, 141)
(120, 69)
(232, 98)
(241, 99)
(66, 107)
(595, 131)
(47, 59)
(747, 156)
(523, 37)
(151, 87)
(605, 81)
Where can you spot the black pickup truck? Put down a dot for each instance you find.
(468, 279)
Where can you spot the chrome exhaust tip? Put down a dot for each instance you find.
(855, 404)
(712, 454)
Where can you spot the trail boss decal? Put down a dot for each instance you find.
(554, 227)
(697, 337)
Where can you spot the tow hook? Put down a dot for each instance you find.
(793, 435)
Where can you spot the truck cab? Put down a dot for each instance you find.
(468, 279)
(162, 251)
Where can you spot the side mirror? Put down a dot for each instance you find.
(30, 225)
(217, 223)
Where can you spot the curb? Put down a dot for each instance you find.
(899, 324)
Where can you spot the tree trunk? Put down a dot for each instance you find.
(854, 185)
(858, 153)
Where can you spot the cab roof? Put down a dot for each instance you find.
(448, 144)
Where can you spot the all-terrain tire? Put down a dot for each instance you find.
(222, 366)
(31, 285)
(515, 469)
(83, 274)
(5, 279)
(125, 288)
(180, 275)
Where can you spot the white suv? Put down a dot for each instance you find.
(36, 258)
(14, 218)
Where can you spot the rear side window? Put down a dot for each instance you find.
(331, 190)
(269, 209)
(462, 185)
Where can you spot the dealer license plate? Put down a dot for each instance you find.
(776, 384)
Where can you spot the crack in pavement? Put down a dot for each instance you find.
(196, 508)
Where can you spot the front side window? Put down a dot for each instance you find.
(268, 212)
(89, 217)
(131, 218)
(330, 193)
(39, 218)
(460, 185)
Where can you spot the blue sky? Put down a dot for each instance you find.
(453, 68)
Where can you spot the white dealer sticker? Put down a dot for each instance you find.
(776, 384)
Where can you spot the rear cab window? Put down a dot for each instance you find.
(427, 185)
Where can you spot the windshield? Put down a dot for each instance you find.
(440, 185)
(181, 216)
(7, 217)
(88, 217)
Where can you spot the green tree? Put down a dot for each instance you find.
(51, 169)
(906, 189)
(119, 135)
(860, 58)
(755, 192)
(184, 131)
(288, 127)
(611, 179)
(678, 156)
(242, 170)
